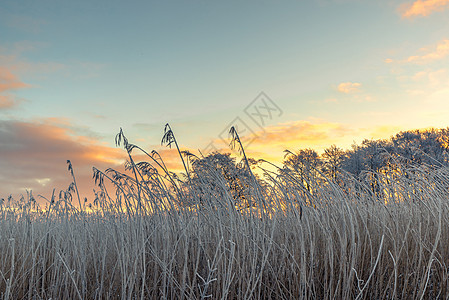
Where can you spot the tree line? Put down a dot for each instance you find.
(370, 166)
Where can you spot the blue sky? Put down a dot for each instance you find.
(340, 70)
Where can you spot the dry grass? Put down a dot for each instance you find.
(152, 236)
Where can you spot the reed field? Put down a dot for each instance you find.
(232, 230)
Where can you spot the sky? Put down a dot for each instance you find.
(288, 74)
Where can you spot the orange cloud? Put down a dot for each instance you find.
(348, 87)
(273, 140)
(319, 135)
(7, 101)
(381, 132)
(423, 7)
(9, 82)
(428, 54)
(304, 132)
(300, 135)
(34, 154)
(440, 51)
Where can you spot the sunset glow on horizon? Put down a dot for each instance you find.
(331, 71)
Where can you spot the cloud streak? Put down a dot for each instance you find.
(9, 82)
(423, 8)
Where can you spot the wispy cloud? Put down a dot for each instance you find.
(7, 102)
(430, 54)
(9, 82)
(349, 87)
(432, 78)
(426, 55)
(422, 7)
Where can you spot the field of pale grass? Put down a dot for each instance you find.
(151, 237)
